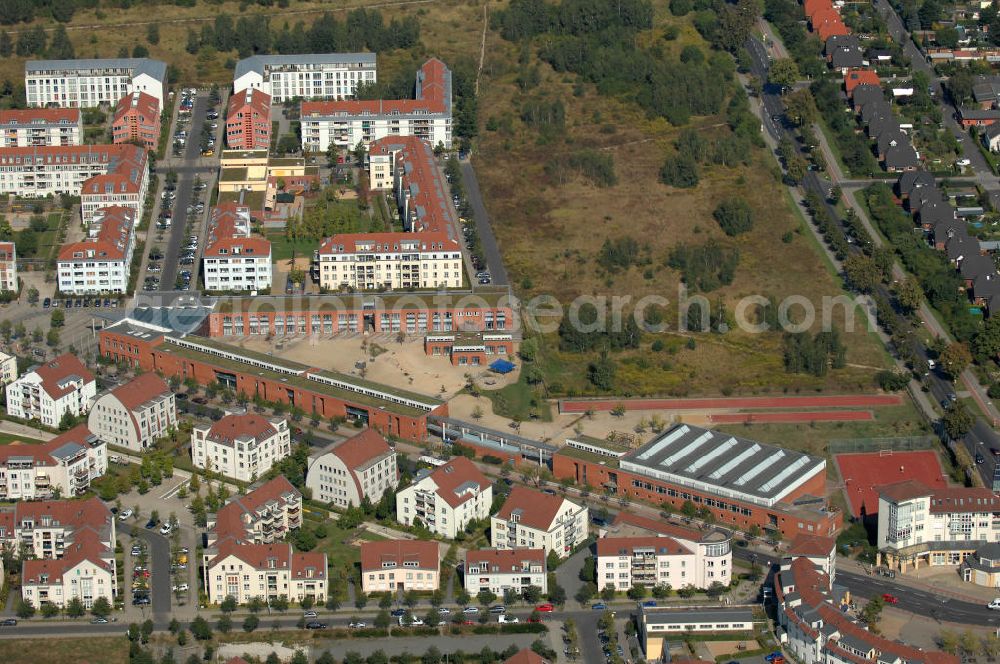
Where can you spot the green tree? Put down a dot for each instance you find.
(862, 273)
(58, 318)
(201, 629)
(957, 420)
(800, 107)
(101, 608)
(250, 623)
(956, 358)
(734, 215)
(153, 33)
(783, 72)
(74, 608)
(50, 610)
(485, 597)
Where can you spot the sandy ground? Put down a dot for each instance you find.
(723, 648)
(947, 578)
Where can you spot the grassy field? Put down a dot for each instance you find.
(6, 438)
(97, 650)
(551, 234)
(282, 248)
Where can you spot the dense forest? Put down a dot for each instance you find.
(18, 11)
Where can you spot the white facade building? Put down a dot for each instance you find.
(8, 368)
(63, 466)
(391, 566)
(267, 571)
(21, 128)
(46, 392)
(345, 473)
(499, 570)
(264, 515)
(364, 261)
(531, 519)
(445, 500)
(940, 526)
(346, 123)
(624, 562)
(233, 260)
(102, 262)
(8, 267)
(241, 446)
(307, 76)
(136, 414)
(86, 83)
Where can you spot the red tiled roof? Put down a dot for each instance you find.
(7, 251)
(665, 546)
(259, 555)
(27, 116)
(423, 553)
(526, 656)
(812, 6)
(416, 162)
(506, 560)
(62, 368)
(110, 242)
(229, 247)
(252, 99)
(68, 513)
(42, 453)
(225, 238)
(141, 389)
(86, 546)
(536, 509)
(388, 242)
(229, 521)
(138, 105)
(963, 499)
(236, 660)
(832, 28)
(823, 15)
(905, 490)
(856, 77)
(661, 527)
(451, 477)
(432, 99)
(812, 545)
(357, 450)
(231, 427)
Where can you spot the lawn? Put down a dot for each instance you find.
(282, 249)
(6, 438)
(519, 401)
(91, 650)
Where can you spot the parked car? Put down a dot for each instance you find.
(545, 608)
(499, 608)
(994, 605)
(358, 625)
(181, 588)
(150, 524)
(8, 622)
(396, 613)
(471, 610)
(314, 624)
(46, 303)
(99, 621)
(125, 513)
(889, 599)
(600, 606)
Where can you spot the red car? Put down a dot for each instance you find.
(534, 620)
(468, 622)
(545, 608)
(889, 599)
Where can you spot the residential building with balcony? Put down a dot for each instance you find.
(102, 262)
(399, 565)
(102, 175)
(264, 515)
(233, 260)
(498, 570)
(63, 466)
(531, 519)
(407, 166)
(137, 120)
(8, 267)
(305, 76)
(136, 414)
(374, 261)
(27, 127)
(85, 83)
(242, 446)
(265, 571)
(347, 123)
(345, 473)
(446, 499)
(8, 369)
(46, 392)
(918, 524)
(85, 572)
(248, 120)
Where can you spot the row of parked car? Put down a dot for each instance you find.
(76, 303)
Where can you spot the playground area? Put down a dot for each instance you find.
(864, 473)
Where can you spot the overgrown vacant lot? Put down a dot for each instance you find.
(551, 233)
(95, 650)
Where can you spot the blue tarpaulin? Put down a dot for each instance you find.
(502, 366)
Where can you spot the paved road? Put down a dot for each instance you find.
(494, 261)
(159, 560)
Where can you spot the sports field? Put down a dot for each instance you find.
(802, 416)
(727, 403)
(864, 473)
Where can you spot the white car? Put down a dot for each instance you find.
(995, 604)
(124, 514)
(963, 162)
(357, 625)
(165, 530)
(504, 618)
(181, 588)
(444, 610)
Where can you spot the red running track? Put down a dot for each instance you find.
(780, 418)
(864, 473)
(734, 403)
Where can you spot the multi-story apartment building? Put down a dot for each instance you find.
(136, 414)
(624, 562)
(818, 630)
(85, 83)
(137, 120)
(407, 165)
(399, 565)
(233, 260)
(8, 267)
(347, 123)
(8, 368)
(364, 261)
(242, 445)
(446, 499)
(64, 466)
(102, 175)
(307, 76)
(265, 571)
(937, 526)
(72, 544)
(264, 515)
(499, 570)
(102, 262)
(531, 519)
(347, 472)
(48, 391)
(248, 120)
(21, 128)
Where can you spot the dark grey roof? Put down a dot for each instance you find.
(66, 451)
(855, 643)
(993, 130)
(722, 464)
(259, 62)
(907, 182)
(924, 195)
(980, 114)
(155, 68)
(844, 51)
(876, 108)
(961, 247)
(976, 264)
(865, 94)
(986, 88)
(689, 616)
(935, 211)
(901, 157)
(986, 285)
(989, 551)
(891, 138)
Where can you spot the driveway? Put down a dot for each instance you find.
(490, 249)
(159, 560)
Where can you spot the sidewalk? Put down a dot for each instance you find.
(16, 429)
